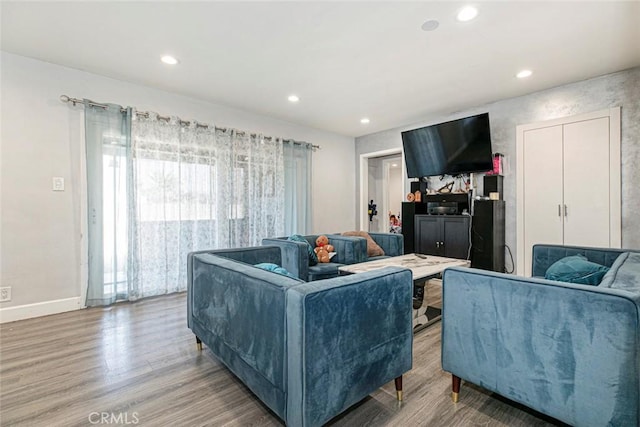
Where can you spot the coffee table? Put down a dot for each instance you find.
(424, 268)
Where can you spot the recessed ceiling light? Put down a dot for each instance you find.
(394, 165)
(524, 73)
(430, 25)
(364, 120)
(467, 13)
(168, 59)
(293, 98)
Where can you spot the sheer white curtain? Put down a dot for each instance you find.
(160, 188)
(195, 188)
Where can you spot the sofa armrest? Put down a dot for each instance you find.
(295, 258)
(392, 244)
(349, 249)
(569, 351)
(544, 255)
(249, 255)
(346, 337)
(238, 311)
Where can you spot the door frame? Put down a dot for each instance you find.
(615, 212)
(386, 168)
(364, 182)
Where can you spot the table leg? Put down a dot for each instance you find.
(430, 314)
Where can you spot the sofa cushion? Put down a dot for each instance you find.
(313, 259)
(275, 268)
(576, 269)
(373, 249)
(326, 270)
(624, 273)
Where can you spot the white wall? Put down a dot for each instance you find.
(40, 242)
(611, 90)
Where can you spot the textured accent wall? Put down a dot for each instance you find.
(611, 90)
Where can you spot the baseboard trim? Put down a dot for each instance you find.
(27, 311)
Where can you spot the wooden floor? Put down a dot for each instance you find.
(137, 363)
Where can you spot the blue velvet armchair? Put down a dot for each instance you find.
(307, 350)
(295, 257)
(570, 351)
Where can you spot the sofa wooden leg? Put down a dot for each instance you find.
(198, 344)
(399, 388)
(455, 388)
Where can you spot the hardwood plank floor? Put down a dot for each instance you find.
(137, 363)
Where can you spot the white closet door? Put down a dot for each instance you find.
(586, 183)
(542, 189)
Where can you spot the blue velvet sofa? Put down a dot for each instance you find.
(307, 350)
(349, 250)
(567, 350)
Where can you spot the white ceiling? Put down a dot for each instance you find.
(345, 60)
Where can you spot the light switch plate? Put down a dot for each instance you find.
(58, 183)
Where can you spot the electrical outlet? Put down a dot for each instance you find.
(5, 294)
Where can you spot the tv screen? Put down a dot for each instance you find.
(452, 148)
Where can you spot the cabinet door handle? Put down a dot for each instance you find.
(559, 210)
(566, 211)
(437, 244)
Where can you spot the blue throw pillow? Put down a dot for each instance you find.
(576, 269)
(313, 258)
(274, 268)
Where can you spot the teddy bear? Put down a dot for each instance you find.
(323, 248)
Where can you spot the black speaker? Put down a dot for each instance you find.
(409, 211)
(487, 235)
(493, 184)
(419, 185)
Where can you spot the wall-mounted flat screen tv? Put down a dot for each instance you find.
(451, 148)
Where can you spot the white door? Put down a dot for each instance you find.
(586, 183)
(542, 189)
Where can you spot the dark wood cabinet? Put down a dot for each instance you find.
(442, 235)
(428, 234)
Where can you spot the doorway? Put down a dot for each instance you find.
(381, 181)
